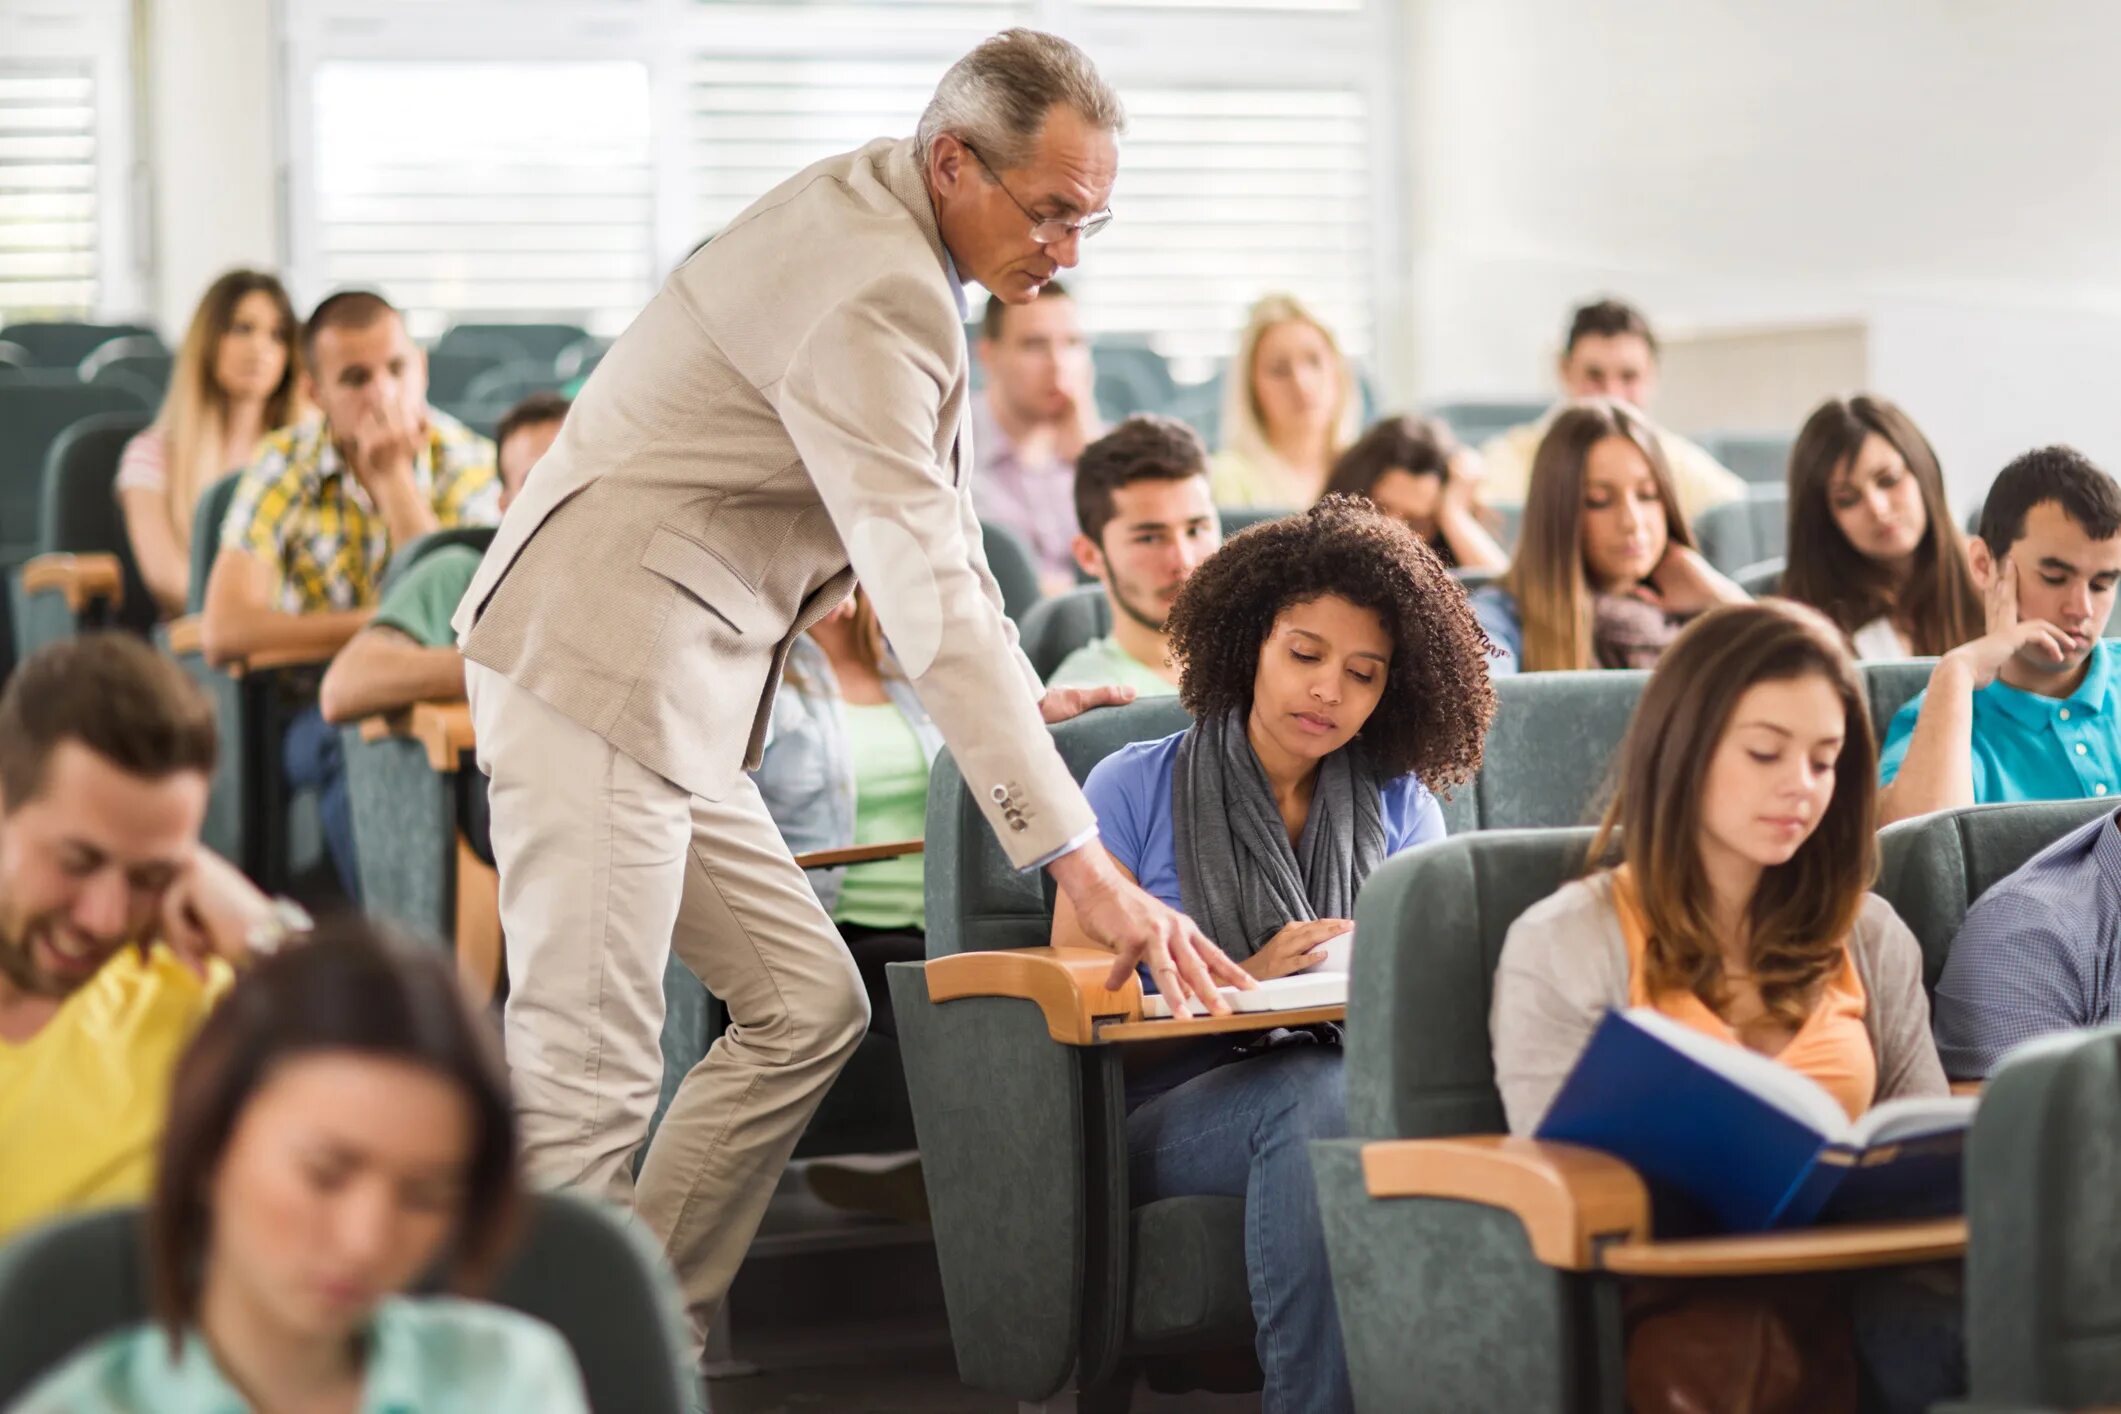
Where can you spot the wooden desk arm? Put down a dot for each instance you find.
(858, 854)
(1068, 984)
(1967, 1087)
(443, 730)
(187, 636)
(1572, 1201)
(81, 578)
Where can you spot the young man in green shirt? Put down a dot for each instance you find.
(1147, 520)
(408, 652)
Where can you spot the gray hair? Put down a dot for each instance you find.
(996, 98)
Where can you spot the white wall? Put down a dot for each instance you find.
(212, 100)
(1939, 168)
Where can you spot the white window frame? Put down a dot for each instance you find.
(100, 32)
(1156, 44)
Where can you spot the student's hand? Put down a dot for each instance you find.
(1463, 475)
(213, 911)
(1061, 703)
(1983, 659)
(386, 444)
(1684, 584)
(1115, 912)
(1298, 947)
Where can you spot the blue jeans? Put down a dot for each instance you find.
(1243, 1129)
(311, 756)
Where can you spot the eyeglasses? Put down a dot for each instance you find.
(1045, 230)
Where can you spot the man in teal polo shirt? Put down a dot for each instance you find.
(2026, 712)
(408, 652)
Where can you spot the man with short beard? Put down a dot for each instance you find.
(116, 928)
(1148, 520)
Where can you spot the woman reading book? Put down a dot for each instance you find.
(1335, 674)
(1734, 897)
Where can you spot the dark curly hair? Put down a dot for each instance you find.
(1433, 716)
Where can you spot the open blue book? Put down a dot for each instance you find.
(1750, 1141)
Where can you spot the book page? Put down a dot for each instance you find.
(1302, 989)
(1340, 955)
(1797, 1096)
(1913, 1117)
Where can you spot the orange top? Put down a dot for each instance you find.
(1832, 1047)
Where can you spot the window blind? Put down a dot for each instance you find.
(48, 189)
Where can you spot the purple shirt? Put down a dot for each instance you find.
(1034, 498)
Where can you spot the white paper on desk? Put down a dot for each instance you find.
(1340, 955)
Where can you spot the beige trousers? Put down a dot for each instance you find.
(605, 868)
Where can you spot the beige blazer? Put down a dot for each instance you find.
(788, 413)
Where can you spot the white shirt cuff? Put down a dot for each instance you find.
(1088, 834)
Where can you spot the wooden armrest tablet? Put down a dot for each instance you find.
(858, 854)
(276, 658)
(1587, 1211)
(1068, 984)
(1571, 1200)
(186, 636)
(383, 724)
(1967, 1087)
(444, 728)
(81, 578)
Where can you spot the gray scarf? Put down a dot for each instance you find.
(1237, 876)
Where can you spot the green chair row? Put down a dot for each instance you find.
(1433, 1288)
(82, 574)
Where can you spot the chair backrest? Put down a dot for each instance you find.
(1200, 406)
(540, 344)
(147, 373)
(64, 343)
(579, 1270)
(1763, 578)
(976, 899)
(1014, 570)
(450, 375)
(1933, 867)
(206, 534)
(1549, 750)
(475, 537)
(2043, 1208)
(1474, 422)
(14, 358)
(1239, 518)
(1762, 458)
(34, 409)
(1053, 628)
(1430, 925)
(1741, 533)
(79, 514)
(130, 346)
(1892, 684)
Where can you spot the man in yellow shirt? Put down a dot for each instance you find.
(116, 928)
(1610, 353)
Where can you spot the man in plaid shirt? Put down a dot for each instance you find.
(314, 522)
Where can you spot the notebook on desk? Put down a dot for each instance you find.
(1291, 993)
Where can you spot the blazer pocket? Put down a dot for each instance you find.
(701, 573)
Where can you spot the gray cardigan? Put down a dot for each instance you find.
(1565, 964)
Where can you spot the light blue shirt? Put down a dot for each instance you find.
(2029, 747)
(2035, 955)
(1503, 623)
(429, 1356)
(1131, 792)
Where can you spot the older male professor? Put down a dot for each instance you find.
(786, 416)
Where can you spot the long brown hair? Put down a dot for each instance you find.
(354, 988)
(1546, 576)
(1802, 910)
(1938, 606)
(194, 415)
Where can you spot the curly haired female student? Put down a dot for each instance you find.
(1337, 679)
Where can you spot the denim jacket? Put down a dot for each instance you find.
(807, 775)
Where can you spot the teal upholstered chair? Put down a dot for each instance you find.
(1432, 1286)
(1053, 1277)
(1761, 578)
(1548, 750)
(1474, 422)
(83, 575)
(1893, 684)
(450, 375)
(65, 343)
(1762, 458)
(1057, 626)
(1014, 569)
(1240, 518)
(539, 344)
(1737, 534)
(576, 1267)
(2043, 1312)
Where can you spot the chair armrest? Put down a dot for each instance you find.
(445, 729)
(1967, 1087)
(858, 854)
(1587, 1211)
(82, 579)
(1572, 1201)
(1068, 985)
(187, 637)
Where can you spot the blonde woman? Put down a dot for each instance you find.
(1290, 408)
(236, 378)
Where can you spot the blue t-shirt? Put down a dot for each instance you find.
(2029, 747)
(1131, 792)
